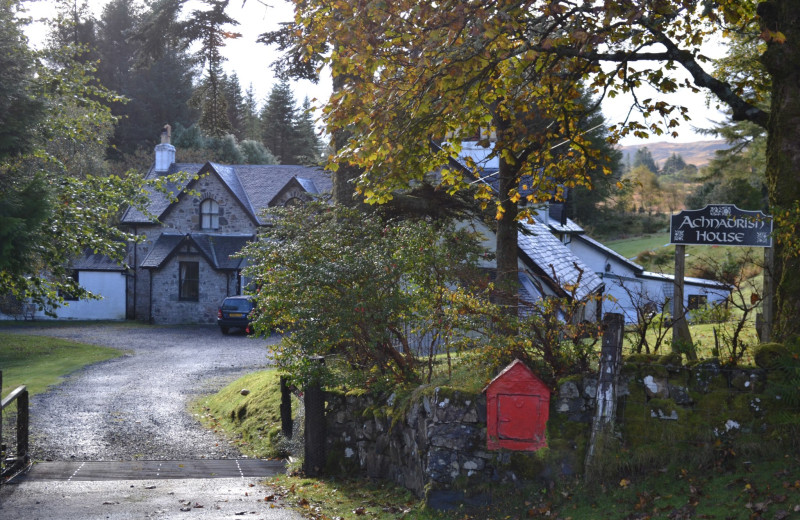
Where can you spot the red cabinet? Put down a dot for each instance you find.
(517, 409)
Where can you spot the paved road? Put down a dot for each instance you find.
(135, 407)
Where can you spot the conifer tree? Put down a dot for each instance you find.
(278, 123)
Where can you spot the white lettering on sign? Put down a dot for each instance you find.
(728, 223)
(718, 236)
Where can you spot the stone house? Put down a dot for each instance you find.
(186, 264)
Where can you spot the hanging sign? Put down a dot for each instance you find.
(723, 225)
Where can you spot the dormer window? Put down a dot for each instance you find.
(209, 214)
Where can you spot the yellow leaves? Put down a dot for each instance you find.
(773, 36)
(624, 483)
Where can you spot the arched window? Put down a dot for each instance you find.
(209, 214)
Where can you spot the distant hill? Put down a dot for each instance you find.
(698, 153)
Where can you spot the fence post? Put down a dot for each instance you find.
(286, 409)
(314, 399)
(23, 418)
(605, 409)
(2, 454)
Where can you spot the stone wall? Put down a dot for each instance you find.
(169, 308)
(435, 444)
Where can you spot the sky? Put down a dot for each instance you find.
(251, 61)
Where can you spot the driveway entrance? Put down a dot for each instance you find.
(116, 440)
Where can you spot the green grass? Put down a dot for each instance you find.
(39, 361)
(252, 421)
(631, 247)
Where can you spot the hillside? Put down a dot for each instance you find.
(698, 153)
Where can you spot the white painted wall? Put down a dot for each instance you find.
(109, 284)
(625, 290)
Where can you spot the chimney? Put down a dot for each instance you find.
(165, 152)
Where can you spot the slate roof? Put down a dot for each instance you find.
(610, 252)
(217, 249)
(551, 256)
(702, 282)
(96, 262)
(253, 185)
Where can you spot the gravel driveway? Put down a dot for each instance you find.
(135, 406)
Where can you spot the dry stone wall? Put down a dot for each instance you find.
(435, 444)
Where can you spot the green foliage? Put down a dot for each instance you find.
(20, 110)
(195, 146)
(643, 158)
(372, 296)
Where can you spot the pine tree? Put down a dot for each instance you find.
(278, 123)
(643, 157)
(235, 100)
(252, 124)
(308, 146)
(207, 28)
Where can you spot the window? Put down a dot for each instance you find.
(209, 214)
(697, 301)
(189, 281)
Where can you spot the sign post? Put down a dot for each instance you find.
(716, 224)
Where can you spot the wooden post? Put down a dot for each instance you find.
(1, 425)
(680, 329)
(605, 410)
(23, 418)
(314, 441)
(768, 298)
(286, 409)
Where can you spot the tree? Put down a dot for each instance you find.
(308, 147)
(614, 44)
(207, 28)
(235, 100)
(278, 123)
(453, 72)
(251, 122)
(643, 157)
(20, 110)
(674, 164)
(377, 296)
(53, 207)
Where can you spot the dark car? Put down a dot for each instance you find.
(235, 312)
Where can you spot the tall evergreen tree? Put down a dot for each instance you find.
(673, 164)
(235, 100)
(278, 123)
(643, 157)
(252, 124)
(74, 27)
(207, 28)
(308, 146)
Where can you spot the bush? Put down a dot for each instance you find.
(372, 296)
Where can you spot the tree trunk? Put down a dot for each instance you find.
(782, 61)
(507, 279)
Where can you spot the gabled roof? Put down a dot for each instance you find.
(254, 186)
(216, 249)
(554, 260)
(306, 185)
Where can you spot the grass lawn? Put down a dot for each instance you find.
(40, 361)
(630, 247)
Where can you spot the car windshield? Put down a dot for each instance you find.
(239, 305)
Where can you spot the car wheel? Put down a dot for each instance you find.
(224, 330)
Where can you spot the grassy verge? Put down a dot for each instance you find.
(41, 361)
(252, 421)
